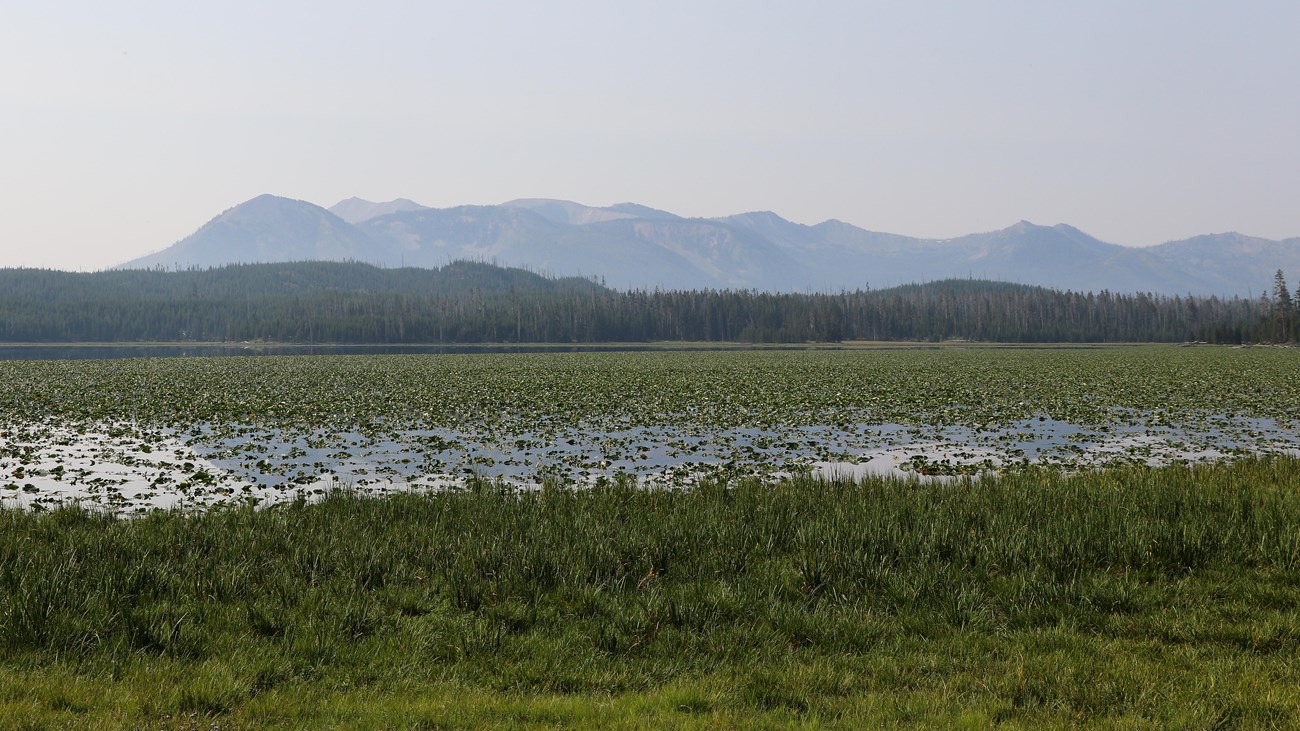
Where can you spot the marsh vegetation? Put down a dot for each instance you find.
(136, 434)
(1139, 586)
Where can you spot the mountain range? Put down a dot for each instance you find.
(630, 246)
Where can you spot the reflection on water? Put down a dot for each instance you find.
(128, 468)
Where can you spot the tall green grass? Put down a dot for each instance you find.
(623, 590)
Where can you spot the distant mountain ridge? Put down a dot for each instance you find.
(630, 246)
(355, 210)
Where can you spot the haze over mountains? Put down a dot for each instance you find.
(629, 246)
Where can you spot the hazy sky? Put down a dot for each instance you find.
(124, 126)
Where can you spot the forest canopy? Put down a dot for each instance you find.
(473, 302)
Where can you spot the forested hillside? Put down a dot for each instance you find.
(458, 279)
(325, 302)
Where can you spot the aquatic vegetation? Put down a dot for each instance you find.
(143, 433)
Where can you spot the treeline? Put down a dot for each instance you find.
(1281, 313)
(320, 302)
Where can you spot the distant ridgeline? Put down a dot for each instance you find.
(466, 302)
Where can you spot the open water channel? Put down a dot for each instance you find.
(127, 468)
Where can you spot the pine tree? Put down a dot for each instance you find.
(1282, 307)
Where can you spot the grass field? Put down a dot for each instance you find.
(1138, 597)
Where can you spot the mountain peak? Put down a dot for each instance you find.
(266, 228)
(1022, 226)
(355, 210)
(263, 201)
(265, 205)
(567, 212)
(639, 211)
(757, 216)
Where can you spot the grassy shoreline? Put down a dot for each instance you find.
(1144, 597)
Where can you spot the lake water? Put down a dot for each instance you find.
(130, 468)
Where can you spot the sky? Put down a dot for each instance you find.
(125, 126)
